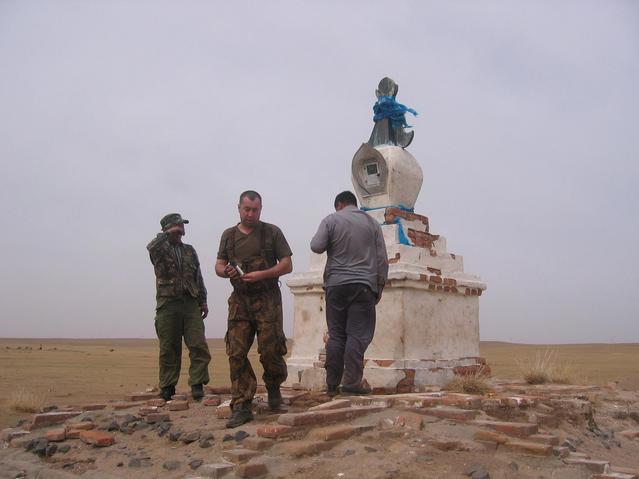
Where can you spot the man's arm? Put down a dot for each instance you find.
(155, 244)
(319, 243)
(203, 293)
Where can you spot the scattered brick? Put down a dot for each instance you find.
(158, 417)
(490, 436)
(630, 433)
(252, 470)
(462, 400)
(452, 413)
(561, 451)
(178, 405)
(223, 411)
(529, 447)
(514, 429)
(179, 397)
(126, 405)
(238, 456)
(97, 438)
(212, 401)
(625, 470)
(56, 435)
(93, 407)
(9, 434)
(275, 432)
(591, 464)
(334, 404)
(81, 426)
(145, 410)
(51, 418)
(551, 439)
(257, 443)
(409, 420)
(158, 402)
(134, 397)
(549, 420)
(215, 470)
(289, 397)
(333, 433)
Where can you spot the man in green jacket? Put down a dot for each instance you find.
(181, 307)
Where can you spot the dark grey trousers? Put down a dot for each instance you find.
(350, 317)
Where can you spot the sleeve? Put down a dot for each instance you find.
(382, 258)
(281, 249)
(319, 243)
(154, 246)
(221, 251)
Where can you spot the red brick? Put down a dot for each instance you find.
(435, 279)
(81, 426)
(178, 397)
(56, 435)
(514, 429)
(93, 407)
(528, 447)
(625, 470)
(216, 470)
(126, 405)
(133, 397)
(450, 282)
(257, 443)
(275, 432)
(462, 400)
(10, 433)
(51, 418)
(545, 439)
(144, 410)
(561, 451)
(491, 436)
(289, 397)
(223, 411)
(591, 464)
(454, 414)
(157, 417)
(177, 405)
(333, 433)
(434, 270)
(304, 418)
(334, 404)
(252, 470)
(97, 438)
(549, 420)
(212, 401)
(238, 456)
(158, 402)
(630, 433)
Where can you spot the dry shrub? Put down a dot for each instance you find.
(472, 383)
(22, 400)
(544, 368)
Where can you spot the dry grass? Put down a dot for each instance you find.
(22, 400)
(545, 368)
(473, 383)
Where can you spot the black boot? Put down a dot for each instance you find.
(241, 415)
(274, 398)
(197, 391)
(332, 391)
(167, 392)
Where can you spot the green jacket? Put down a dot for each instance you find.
(177, 270)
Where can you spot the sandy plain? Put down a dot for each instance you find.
(81, 371)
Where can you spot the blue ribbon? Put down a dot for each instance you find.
(388, 107)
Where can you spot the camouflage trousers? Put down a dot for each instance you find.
(258, 314)
(181, 317)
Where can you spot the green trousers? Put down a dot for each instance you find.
(176, 319)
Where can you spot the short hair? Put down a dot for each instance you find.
(251, 195)
(346, 198)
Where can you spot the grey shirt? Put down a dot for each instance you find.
(355, 248)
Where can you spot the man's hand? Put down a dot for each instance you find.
(253, 276)
(176, 230)
(379, 297)
(205, 310)
(230, 271)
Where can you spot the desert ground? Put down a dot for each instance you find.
(107, 421)
(74, 371)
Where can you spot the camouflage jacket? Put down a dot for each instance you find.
(177, 270)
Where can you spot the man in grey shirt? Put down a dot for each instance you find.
(354, 277)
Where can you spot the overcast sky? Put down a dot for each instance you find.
(114, 113)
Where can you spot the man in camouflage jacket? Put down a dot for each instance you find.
(181, 307)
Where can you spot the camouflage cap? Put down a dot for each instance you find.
(172, 219)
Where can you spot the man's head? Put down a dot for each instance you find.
(250, 208)
(345, 198)
(173, 223)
